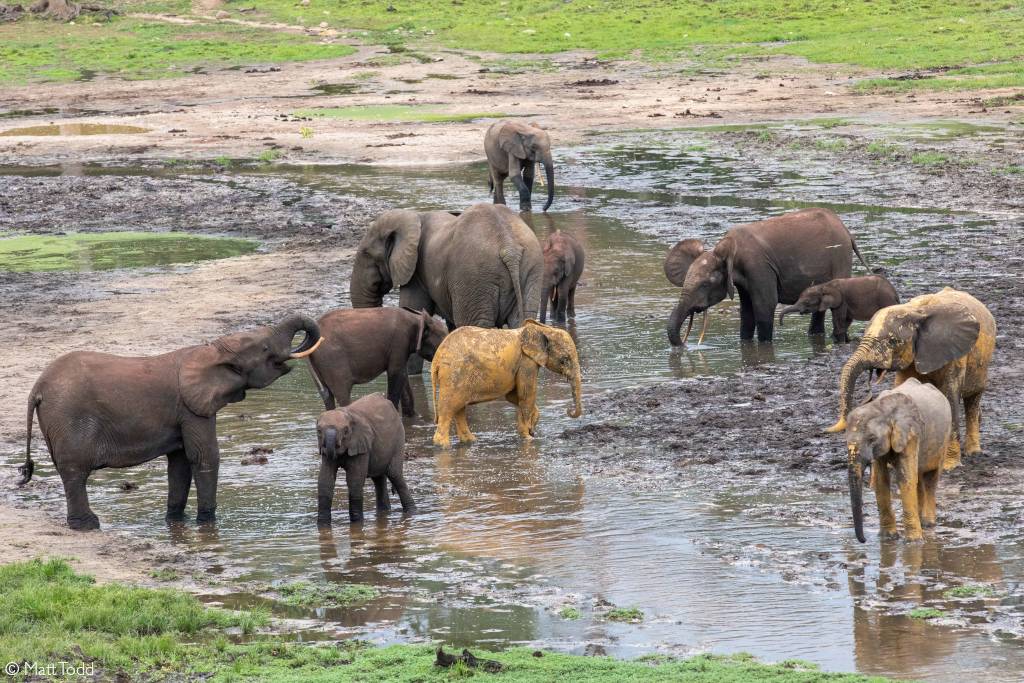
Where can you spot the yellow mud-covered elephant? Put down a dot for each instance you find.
(946, 339)
(475, 365)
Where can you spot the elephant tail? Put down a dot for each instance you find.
(512, 257)
(490, 183)
(857, 252)
(435, 388)
(29, 467)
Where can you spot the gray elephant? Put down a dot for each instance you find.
(97, 410)
(361, 343)
(908, 429)
(482, 268)
(563, 266)
(767, 262)
(513, 149)
(849, 299)
(366, 439)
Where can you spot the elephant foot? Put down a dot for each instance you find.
(915, 537)
(886, 535)
(323, 519)
(383, 507)
(355, 519)
(88, 522)
(206, 516)
(409, 510)
(175, 515)
(408, 411)
(442, 441)
(928, 524)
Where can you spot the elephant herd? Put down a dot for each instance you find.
(485, 274)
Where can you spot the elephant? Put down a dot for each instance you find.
(483, 268)
(98, 410)
(909, 429)
(366, 439)
(563, 266)
(513, 148)
(768, 262)
(474, 365)
(946, 339)
(677, 262)
(361, 343)
(849, 299)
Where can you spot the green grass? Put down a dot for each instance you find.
(883, 149)
(268, 155)
(36, 50)
(925, 613)
(929, 158)
(396, 112)
(569, 613)
(306, 594)
(624, 614)
(164, 574)
(830, 144)
(969, 592)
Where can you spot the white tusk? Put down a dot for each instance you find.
(303, 354)
(703, 328)
(689, 326)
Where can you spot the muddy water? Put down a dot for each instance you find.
(75, 129)
(509, 533)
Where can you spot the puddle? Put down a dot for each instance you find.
(109, 250)
(508, 534)
(338, 89)
(76, 129)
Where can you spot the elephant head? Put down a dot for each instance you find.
(531, 144)
(344, 432)
(876, 429)
(218, 373)
(677, 263)
(430, 333)
(815, 299)
(925, 335)
(707, 280)
(555, 350)
(386, 257)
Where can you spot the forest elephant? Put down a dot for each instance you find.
(475, 365)
(563, 266)
(907, 429)
(366, 439)
(677, 262)
(513, 150)
(361, 343)
(849, 299)
(98, 410)
(946, 339)
(767, 262)
(483, 268)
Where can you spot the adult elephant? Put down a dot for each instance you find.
(482, 268)
(513, 149)
(98, 410)
(768, 262)
(946, 339)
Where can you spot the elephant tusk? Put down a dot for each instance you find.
(689, 326)
(303, 354)
(703, 328)
(838, 426)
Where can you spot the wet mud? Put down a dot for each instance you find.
(698, 487)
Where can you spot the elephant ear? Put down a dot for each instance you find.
(535, 342)
(207, 381)
(513, 142)
(947, 332)
(831, 297)
(679, 259)
(361, 438)
(726, 249)
(403, 246)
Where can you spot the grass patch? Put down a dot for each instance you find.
(631, 614)
(306, 594)
(925, 613)
(164, 574)
(569, 613)
(36, 50)
(969, 592)
(929, 158)
(396, 112)
(268, 155)
(830, 144)
(883, 149)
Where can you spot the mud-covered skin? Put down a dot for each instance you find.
(849, 299)
(474, 365)
(906, 429)
(946, 339)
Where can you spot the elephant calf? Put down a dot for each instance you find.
(474, 365)
(849, 299)
(563, 266)
(361, 343)
(367, 439)
(908, 429)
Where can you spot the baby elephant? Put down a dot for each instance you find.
(368, 440)
(361, 343)
(908, 429)
(563, 265)
(849, 299)
(474, 365)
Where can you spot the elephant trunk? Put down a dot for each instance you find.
(546, 295)
(855, 475)
(330, 445)
(675, 321)
(786, 311)
(857, 364)
(549, 176)
(362, 291)
(576, 409)
(292, 324)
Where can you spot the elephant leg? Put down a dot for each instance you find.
(344, 394)
(526, 393)
(908, 494)
(462, 427)
(952, 392)
(563, 301)
(516, 169)
(572, 302)
(746, 318)
(817, 325)
(325, 490)
(499, 186)
(529, 170)
(200, 438)
(179, 481)
(80, 516)
(763, 308)
(380, 486)
(355, 480)
(972, 411)
(883, 496)
(927, 485)
(414, 366)
(408, 402)
(444, 425)
(398, 381)
(841, 320)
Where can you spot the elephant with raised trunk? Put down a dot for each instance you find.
(849, 299)
(906, 429)
(482, 268)
(98, 410)
(946, 339)
(767, 262)
(514, 149)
